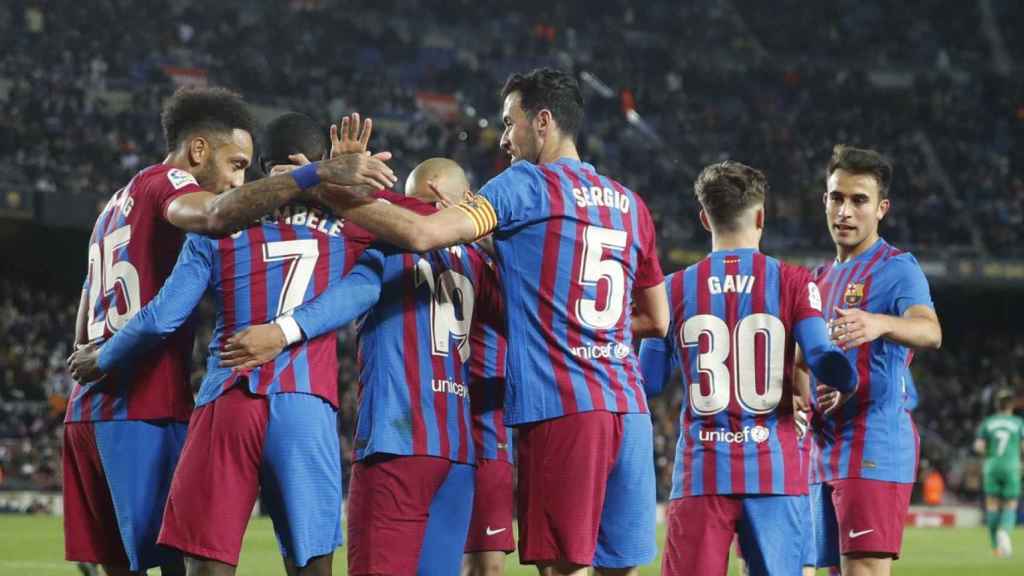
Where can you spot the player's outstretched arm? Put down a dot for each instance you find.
(399, 226)
(164, 314)
(825, 360)
(334, 308)
(650, 312)
(655, 365)
(219, 214)
(918, 327)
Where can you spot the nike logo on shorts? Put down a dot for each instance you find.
(493, 532)
(859, 534)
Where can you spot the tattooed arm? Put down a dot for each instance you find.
(218, 214)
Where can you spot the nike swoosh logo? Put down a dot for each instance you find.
(493, 532)
(859, 534)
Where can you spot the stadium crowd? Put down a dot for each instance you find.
(79, 112)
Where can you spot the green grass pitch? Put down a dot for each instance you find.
(34, 545)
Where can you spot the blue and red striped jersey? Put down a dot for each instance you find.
(255, 275)
(415, 350)
(872, 435)
(487, 390)
(131, 252)
(572, 246)
(736, 317)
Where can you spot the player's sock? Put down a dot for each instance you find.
(992, 521)
(1008, 519)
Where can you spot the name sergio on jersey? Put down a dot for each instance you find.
(605, 197)
(597, 352)
(758, 434)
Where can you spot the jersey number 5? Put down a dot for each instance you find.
(747, 364)
(594, 268)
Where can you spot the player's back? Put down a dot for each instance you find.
(414, 352)
(572, 246)
(1003, 434)
(872, 435)
(132, 250)
(732, 324)
(265, 271)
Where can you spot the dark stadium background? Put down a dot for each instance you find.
(670, 87)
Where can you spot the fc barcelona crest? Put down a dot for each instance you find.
(854, 293)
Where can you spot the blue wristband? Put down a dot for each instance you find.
(306, 177)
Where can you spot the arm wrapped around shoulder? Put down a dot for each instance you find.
(827, 362)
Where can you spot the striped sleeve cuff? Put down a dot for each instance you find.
(481, 213)
(290, 328)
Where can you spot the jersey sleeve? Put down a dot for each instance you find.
(909, 284)
(489, 297)
(168, 310)
(648, 271)
(807, 297)
(507, 200)
(655, 364)
(344, 301)
(165, 187)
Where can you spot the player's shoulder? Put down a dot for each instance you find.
(165, 176)
(896, 261)
(790, 271)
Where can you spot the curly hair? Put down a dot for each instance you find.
(192, 110)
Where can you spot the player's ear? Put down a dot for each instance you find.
(198, 149)
(704, 220)
(759, 218)
(824, 198)
(883, 208)
(542, 120)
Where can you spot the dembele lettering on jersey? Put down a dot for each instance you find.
(302, 215)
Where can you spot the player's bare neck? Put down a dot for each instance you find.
(845, 254)
(563, 147)
(735, 241)
(177, 160)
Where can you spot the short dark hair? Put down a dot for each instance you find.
(199, 109)
(862, 161)
(1005, 399)
(726, 189)
(291, 133)
(552, 89)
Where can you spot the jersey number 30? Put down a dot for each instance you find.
(746, 363)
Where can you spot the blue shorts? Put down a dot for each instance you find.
(448, 523)
(808, 533)
(701, 529)
(586, 492)
(116, 478)
(826, 528)
(285, 444)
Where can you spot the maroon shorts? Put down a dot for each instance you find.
(90, 524)
(389, 501)
(218, 478)
(870, 514)
(490, 529)
(582, 475)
